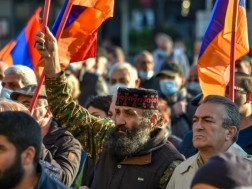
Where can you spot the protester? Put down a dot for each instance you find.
(145, 66)
(134, 148)
(225, 171)
(166, 114)
(165, 52)
(173, 90)
(242, 94)
(20, 140)
(15, 78)
(59, 147)
(122, 75)
(216, 125)
(98, 106)
(193, 85)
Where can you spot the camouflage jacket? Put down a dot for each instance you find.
(89, 130)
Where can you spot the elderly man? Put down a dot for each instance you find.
(216, 126)
(133, 149)
(59, 147)
(20, 141)
(122, 75)
(16, 77)
(145, 66)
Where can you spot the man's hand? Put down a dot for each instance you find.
(46, 44)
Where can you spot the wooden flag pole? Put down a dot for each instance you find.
(232, 54)
(41, 80)
(59, 33)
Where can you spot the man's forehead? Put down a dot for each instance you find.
(119, 72)
(128, 108)
(210, 109)
(11, 77)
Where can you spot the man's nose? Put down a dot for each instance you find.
(197, 125)
(119, 119)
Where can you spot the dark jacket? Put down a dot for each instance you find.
(91, 85)
(144, 170)
(180, 124)
(46, 182)
(63, 151)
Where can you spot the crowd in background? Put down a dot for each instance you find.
(68, 154)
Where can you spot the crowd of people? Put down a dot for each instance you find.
(107, 123)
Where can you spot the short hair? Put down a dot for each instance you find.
(124, 65)
(27, 75)
(141, 55)
(231, 114)
(100, 102)
(9, 105)
(22, 131)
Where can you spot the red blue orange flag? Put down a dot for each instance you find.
(79, 37)
(20, 51)
(214, 56)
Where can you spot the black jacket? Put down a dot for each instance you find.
(63, 151)
(143, 170)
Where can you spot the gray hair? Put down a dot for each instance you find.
(231, 114)
(125, 65)
(27, 75)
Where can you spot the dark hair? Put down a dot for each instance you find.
(100, 102)
(231, 114)
(22, 131)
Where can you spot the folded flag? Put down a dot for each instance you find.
(20, 50)
(214, 56)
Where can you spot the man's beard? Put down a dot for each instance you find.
(120, 146)
(12, 176)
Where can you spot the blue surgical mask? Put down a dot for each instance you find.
(5, 93)
(168, 87)
(194, 86)
(145, 75)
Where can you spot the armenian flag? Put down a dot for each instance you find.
(214, 56)
(20, 50)
(79, 38)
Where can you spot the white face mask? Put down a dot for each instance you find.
(5, 93)
(113, 88)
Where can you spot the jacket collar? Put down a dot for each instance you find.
(138, 160)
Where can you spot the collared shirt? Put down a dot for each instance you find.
(187, 169)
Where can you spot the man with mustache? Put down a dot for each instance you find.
(216, 125)
(133, 152)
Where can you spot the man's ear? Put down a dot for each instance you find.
(48, 112)
(153, 120)
(231, 132)
(28, 155)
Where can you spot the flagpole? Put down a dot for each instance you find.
(41, 80)
(232, 54)
(59, 33)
